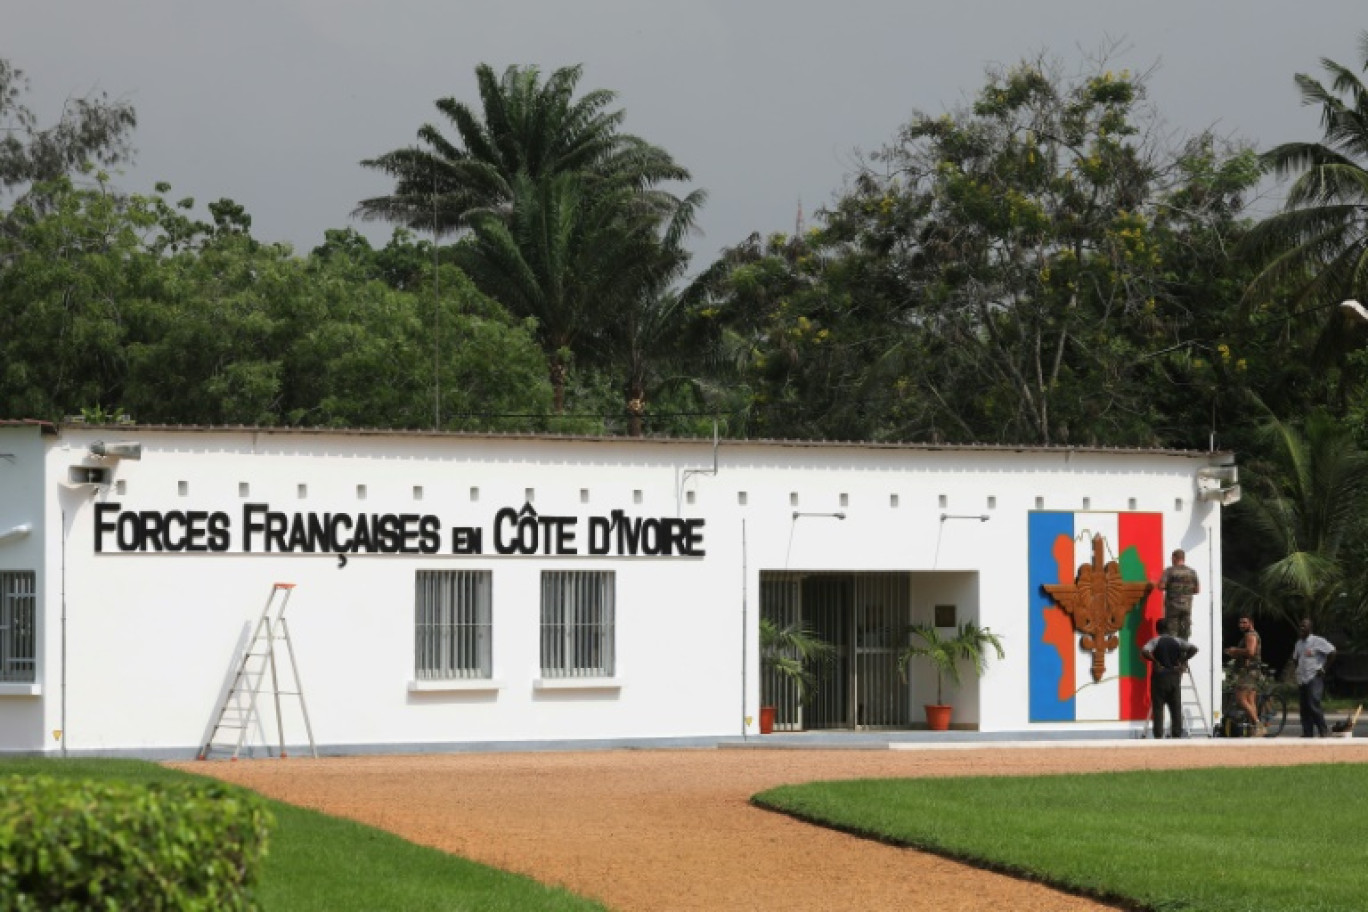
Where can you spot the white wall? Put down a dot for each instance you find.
(23, 723)
(152, 637)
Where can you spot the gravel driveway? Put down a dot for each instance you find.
(673, 829)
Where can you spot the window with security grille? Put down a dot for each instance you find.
(18, 642)
(577, 610)
(453, 627)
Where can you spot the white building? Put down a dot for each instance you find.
(479, 591)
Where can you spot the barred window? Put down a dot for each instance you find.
(453, 627)
(577, 610)
(18, 643)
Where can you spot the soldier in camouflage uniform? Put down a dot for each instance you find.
(1179, 583)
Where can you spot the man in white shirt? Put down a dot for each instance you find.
(1313, 655)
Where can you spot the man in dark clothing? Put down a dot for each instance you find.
(1169, 655)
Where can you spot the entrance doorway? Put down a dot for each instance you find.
(865, 617)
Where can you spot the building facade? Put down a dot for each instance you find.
(477, 591)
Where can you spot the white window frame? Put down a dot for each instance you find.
(578, 624)
(18, 627)
(453, 625)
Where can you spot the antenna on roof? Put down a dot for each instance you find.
(436, 316)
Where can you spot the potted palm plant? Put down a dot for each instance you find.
(795, 652)
(969, 644)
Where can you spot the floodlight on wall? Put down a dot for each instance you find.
(18, 532)
(1219, 484)
(116, 450)
(1226, 496)
(797, 514)
(981, 517)
(78, 475)
(1223, 496)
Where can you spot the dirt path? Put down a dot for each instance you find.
(672, 829)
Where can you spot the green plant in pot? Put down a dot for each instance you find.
(796, 653)
(970, 644)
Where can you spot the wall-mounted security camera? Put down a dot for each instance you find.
(88, 475)
(116, 450)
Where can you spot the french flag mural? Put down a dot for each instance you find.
(1062, 688)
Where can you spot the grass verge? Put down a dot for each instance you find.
(1273, 839)
(317, 862)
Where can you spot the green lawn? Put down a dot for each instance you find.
(316, 862)
(1265, 839)
(1334, 706)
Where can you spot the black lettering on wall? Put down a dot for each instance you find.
(520, 532)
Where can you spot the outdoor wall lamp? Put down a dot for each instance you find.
(797, 514)
(981, 517)
(15, 534)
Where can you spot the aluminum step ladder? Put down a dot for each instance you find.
(1190, 696)
(240, 710)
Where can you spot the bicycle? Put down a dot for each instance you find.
(1269, 700)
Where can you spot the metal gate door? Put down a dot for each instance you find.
(865, 617)
(882, 615)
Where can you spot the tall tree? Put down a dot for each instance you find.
(575, 255)
(1010, 272)
(563, 214)
(525, 127)
(94, 130)
(1303, 520)
(72, 278)
(1317, 247)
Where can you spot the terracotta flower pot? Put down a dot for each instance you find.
(766, 720)
(937, 717)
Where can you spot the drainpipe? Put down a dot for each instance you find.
(62, 722)
(744, 632)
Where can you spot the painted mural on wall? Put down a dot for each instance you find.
(1069, 682)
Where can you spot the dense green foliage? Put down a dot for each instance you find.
(318, 863)
(124, 302)
(1047, 264)
(1031, 269)
(78, 845)
(1209, 840)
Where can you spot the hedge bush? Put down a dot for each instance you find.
(68, 845)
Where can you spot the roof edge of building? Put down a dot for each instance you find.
(123, 427)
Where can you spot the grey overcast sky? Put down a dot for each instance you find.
(273, 103)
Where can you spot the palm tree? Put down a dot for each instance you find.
(572, 257)
(566, 222)
(525, 127)
(1319, 242)
(1305, 505)
(650, 332)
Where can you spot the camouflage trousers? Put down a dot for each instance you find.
(1180, 623)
